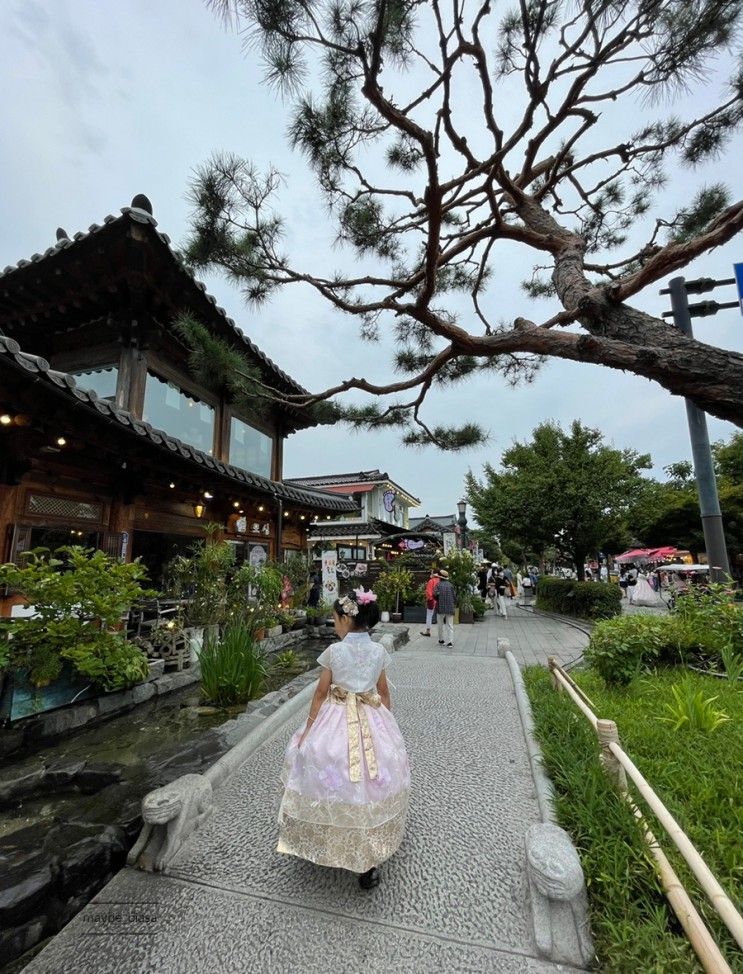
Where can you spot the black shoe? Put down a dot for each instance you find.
(441, 642)
(369, 879)
(450, 644)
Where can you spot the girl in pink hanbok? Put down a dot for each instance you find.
(346, 775)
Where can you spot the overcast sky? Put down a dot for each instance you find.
(102, 100)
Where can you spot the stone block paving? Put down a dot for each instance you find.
(454, 898)
(532, 637)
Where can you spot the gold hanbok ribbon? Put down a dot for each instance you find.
(358, 723)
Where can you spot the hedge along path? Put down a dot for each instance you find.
(617, 765)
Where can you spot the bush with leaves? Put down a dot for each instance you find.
(461, 567)
(202, 578)
(254, 595)
(585, 600)
(297, 569)
(79, 597)
(394, 588)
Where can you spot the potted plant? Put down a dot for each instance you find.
(466, 609)
(384, 592)
(79, 598)
(393, 587)
(461, 567)
(297, 569)
(414, 609)
(253, 596)
(201, 580)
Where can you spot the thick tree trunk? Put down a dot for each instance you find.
(580, 564)
(623, 337)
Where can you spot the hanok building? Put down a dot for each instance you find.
(383, 509)
(105, 438)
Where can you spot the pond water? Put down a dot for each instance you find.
(153, 743)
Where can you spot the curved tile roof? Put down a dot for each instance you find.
(11, 351)
(137, 215)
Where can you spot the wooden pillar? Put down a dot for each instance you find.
(131, 380)
(121, 519)
(8, 504)
(278, 454)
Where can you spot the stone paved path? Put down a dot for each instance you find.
(453, 898)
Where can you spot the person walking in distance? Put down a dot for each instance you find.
(431, 584)
(445, 603)
(501, 584)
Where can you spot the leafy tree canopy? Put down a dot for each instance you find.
(667, 512)
(567, 490)
(444, 137)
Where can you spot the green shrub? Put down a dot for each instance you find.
(79, 596)
(586, 600)
(621, 648)
(712, 622)
(479, 605)
(706, 628)
(233, 670)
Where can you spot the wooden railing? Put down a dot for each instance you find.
(618, 765)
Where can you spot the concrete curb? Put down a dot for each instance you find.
(226, 766)
(557, 889)
(542, 784)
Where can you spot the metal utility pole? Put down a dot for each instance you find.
(704, 471)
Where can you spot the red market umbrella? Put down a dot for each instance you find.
(658, 554)
(638, 554)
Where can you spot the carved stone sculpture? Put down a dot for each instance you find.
(558, 895)
(170, 815)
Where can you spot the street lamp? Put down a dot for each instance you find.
(462, 521)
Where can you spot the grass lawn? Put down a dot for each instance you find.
(699, 777)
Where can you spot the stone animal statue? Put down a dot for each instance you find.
(170, 815)
(558, 896)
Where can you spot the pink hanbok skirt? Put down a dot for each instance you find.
(346, 790)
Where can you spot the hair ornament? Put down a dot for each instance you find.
(348, 606)
(363, 597)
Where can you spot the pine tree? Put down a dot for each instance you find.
(541, 160)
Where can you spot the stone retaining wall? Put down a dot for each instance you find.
(56, 723)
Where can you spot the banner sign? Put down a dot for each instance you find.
(450, 543)
(329, 576)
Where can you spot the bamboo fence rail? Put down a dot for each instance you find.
(618, 764)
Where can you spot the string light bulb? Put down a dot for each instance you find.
(61, 441)
(6, 419)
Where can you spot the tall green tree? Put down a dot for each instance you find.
(567, 490)
(667, 512)
(445, 137)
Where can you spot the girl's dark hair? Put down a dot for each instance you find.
(367, 616)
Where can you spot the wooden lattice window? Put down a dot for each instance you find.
(64, 508)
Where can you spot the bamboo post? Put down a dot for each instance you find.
(608, 734)
(552, 663)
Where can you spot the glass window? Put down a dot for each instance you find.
(102, 381)
(250, 449)
(350, 553)
(169, 408)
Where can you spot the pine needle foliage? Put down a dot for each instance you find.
(430, 192)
